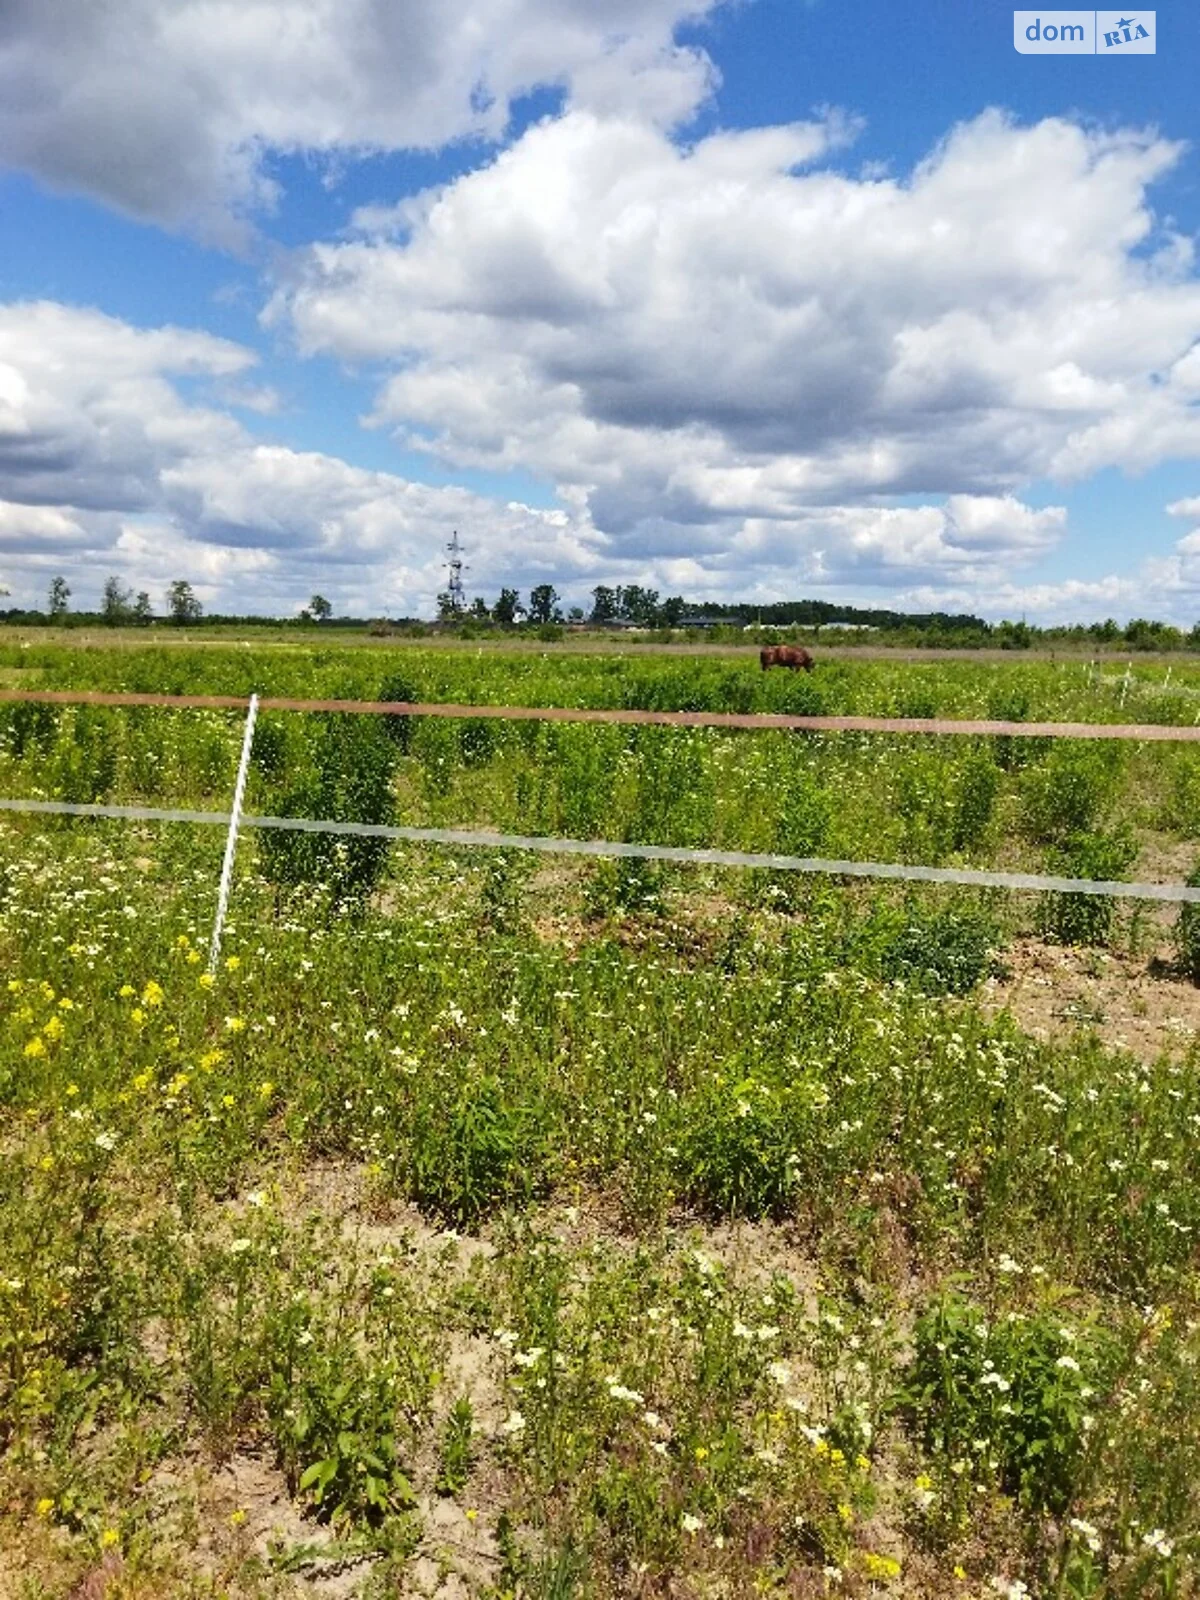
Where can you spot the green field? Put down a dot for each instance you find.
(492, 1225)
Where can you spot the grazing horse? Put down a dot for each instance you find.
(793, 656)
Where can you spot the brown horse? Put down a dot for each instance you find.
(793, 656)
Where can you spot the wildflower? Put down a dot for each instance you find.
(691, 1524)
(239, 1247)
(235, 1024)
(256, 1198)
(882, 1567)
(618, 1391)
(513, 1424)
(1010, 1588)
(54, 1028)
(1157, 1541)
(236, 1518)
(206, 980)
(106, 1141)
(781, 1373)
(471, 1514)
(266, 1089)
(961, 1574)
(44, 1506)
(126, 991)
(211, 1059)
(66, 1004)
(232, 963)
(36, 1047)
(1067, 1363)
(1090, 1535)
(152, 994)
(925, 1493)
(137, 1016)
(109, 1538)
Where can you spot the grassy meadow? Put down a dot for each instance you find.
(497, 1226)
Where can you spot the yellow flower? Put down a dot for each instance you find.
(961, 1574)
(236, 1518)
(837, 1458)
(701, 1453)
(143, 1080)
(472, 1514)
(14, 984)
(845, 1513)
(36, 1047)
(47, 1163)
(266, 1090)
(206, 980)
(228, 1101)
(126, 991)
(46, 990)
(137, 1016)
(211, 1059)
(54, 1028)
(45, 1506)
(235, 1024)
(108, 1538)
(232, 963)
(72, 1089)
(183, 942)
(884, 1567)
(193, 958)
(152, 994)
(66, 1003)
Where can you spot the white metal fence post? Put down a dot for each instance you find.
(235, 817)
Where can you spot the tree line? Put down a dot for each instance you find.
(634, 605)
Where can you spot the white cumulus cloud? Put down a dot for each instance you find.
(169, 111)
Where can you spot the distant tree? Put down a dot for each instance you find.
(143, 611)
(639, 605)
(447, 610)
(182, 603)
(479, 609)
(115, 604)
(604, 604)
(670, 612)
(575, 614)
(543, 602)
(60, 595)
(508, 607)
(319, 608)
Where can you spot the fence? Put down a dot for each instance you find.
(234, 820)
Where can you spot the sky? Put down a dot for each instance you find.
(743, 300)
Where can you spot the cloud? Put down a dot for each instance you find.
(105, 468)
(695, 339)
(168, 112)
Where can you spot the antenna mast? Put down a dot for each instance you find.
(458, 595)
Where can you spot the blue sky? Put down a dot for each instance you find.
(751, 300)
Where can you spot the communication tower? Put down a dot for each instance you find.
(458, 595)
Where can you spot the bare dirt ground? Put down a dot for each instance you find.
(1134, 1002)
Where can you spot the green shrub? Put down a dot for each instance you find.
(738, 1156)
(1086, 918)
(482, 1147)
(625, 884)
(349, 780)
(946, 951)
(1187, 932)
(1071, 791)
(1006, 1397)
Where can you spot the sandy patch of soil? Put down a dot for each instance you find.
(1132, 1002)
